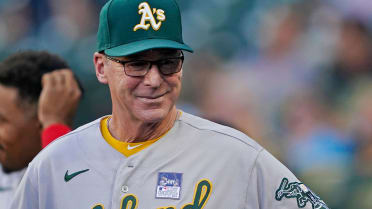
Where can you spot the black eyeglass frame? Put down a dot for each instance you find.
(156, 62)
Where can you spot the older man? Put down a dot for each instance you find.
(148, 154)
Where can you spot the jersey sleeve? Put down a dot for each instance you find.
(27, 194)
(273, 186)
(52, 132)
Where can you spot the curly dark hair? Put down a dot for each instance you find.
(24, 70)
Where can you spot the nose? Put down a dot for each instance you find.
(153, 77)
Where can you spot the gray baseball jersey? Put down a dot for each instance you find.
(197, 164)
(8, 185)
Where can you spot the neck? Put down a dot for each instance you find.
(139, 131)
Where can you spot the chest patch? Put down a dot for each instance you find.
(169, 185)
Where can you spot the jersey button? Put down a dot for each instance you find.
(124, 189)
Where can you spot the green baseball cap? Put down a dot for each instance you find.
(130, 26)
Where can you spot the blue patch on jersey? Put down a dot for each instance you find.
(169, 185)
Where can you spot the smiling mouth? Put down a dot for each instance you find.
(152, 97)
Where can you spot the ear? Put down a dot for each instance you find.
(180, 74)
(99, 65)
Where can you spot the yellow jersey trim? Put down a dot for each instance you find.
(125, 148)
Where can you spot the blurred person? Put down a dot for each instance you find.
(69, 31)
(351, 63)
(16, 25)
(220, 100)
(317, 150)
(359, 186)
(279, 68)
(78, 15)
(39, 97)
(148, 153)
(216, 94)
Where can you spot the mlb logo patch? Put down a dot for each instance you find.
(169, 186)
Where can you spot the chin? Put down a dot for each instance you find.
(6, 168)
(152, 115)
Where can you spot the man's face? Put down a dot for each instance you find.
(148, 98)
(19, 131)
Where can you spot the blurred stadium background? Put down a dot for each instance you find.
(295, 75)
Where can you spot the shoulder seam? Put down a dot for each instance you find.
(220, 132)
(77, 130)
(250, 174)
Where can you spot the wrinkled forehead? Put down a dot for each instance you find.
(155, 54)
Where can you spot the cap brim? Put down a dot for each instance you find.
(143, 45)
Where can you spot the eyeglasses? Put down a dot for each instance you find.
(138, 68)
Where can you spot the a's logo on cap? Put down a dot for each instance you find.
(148, 16)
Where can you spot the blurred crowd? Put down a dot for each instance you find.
(294, 75)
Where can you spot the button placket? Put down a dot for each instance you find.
(125, 172)
(125, 180)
